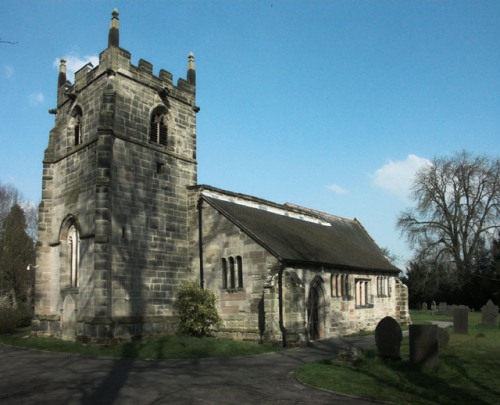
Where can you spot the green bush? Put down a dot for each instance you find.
(8, 320)
(11, 318)
(196, 310)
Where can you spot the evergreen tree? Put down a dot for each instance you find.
(16, 253)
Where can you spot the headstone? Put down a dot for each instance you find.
(424, 349)
(443, 338)
(388, 337)
(442, 307)
(450, 309)
(433, 306)
(461, 320)
(424, 306)
(489, 313)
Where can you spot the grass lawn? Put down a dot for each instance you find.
(468, 371)
(168, 347)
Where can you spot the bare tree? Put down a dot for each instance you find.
(457, 207)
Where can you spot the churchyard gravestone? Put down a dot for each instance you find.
(388, 337)
(443, 337)
(424, 349)
(461, 320)
(489, 313)
(433, 306)
(442, 307)
(424, 306)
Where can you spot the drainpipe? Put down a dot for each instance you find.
(280, 302)
(199, 206)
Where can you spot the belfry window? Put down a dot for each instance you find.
(77, 125)
(158, 127)
(73, 255)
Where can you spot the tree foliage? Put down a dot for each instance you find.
(196, 309)
(457, 210)
(16, 253)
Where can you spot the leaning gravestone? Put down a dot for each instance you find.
(424, 306)
(443, 337)
(461, 320)
(424, 349)
(489, 313)
(388, 337)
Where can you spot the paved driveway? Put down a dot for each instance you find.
(35, 377)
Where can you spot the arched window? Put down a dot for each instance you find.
(224, 273)
(158, 126)
(76, 115)
(240, 271)
(231, 273)
(73, 255)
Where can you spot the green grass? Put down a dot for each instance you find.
(468, 371)
(168, 347)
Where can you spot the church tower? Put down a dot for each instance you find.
(113, 239)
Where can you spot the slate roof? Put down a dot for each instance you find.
(344, 244)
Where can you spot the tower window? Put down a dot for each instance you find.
(78, 130)
(77, 125)
(158, 130)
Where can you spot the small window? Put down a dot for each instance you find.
(240, 271)
(231, 273)
(224, 273)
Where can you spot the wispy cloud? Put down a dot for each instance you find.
(36, 98)
(75, 63)
(397, 176)
(8, 71)
(337, 189)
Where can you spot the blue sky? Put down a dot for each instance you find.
(328, 104)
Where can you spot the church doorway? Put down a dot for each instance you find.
(314, 316)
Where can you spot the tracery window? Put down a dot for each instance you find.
(158, 127)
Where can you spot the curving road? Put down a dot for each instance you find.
(35, 377)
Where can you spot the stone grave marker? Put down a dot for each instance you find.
(433, 306)
(388, 337)
(424, 306)
(489, 313)
(461, 320)
(442, 307)
(443, 337)
(424, 349)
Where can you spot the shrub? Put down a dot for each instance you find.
(8, 320)
(196, 310)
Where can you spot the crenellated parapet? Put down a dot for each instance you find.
(115, 61)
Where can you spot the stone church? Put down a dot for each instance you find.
(123, 223)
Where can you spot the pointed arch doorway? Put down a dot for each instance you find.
(315, 316)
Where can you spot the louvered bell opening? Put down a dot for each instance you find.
(163, 134)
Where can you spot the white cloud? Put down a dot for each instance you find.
(8, 71)
(36, 98)
(75, 63)
(337, 189)
(397, 176)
